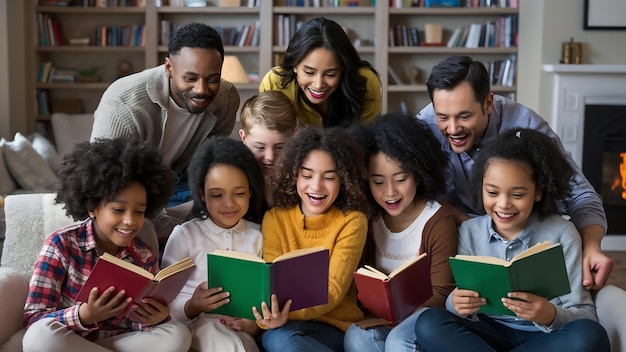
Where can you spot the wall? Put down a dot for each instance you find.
(14, 99)
(548, 23)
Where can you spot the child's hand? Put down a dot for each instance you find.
(275, 318)
(151, 311)
(104, 307)
(204, 300)
(241, 324)
(532, 307)
(467, 302)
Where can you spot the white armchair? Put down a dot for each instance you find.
(30, 218)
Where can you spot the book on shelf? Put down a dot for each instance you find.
(539, 270)
(454, 37)
(136, 281)
(395, 296)
(301, 276)
(394, 78)
(44, 72)
(442, 3)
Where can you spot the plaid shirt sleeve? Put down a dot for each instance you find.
(59, 273)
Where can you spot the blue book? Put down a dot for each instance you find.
(442, 3)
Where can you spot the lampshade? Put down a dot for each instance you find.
(233, 71)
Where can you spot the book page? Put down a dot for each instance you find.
(405, 265)
(539, 247)
(482, 259)
(126, 265)
(298, 253)
(238, 255)
(174, 268)
(372, 272)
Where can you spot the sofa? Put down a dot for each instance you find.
(31, 217)
(29, 164)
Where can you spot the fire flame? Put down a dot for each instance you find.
(622, 172)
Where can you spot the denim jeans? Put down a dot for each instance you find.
(439, 330)
(306, 335)
(382, 338)
(182, 193)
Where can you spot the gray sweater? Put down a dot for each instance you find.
(136, 106)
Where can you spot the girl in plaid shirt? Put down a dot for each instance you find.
(113, 184)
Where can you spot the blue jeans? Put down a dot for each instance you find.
(439, 330)
(382, 338)
(306, 335)
(182, 193)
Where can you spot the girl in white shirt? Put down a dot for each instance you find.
(227, 188)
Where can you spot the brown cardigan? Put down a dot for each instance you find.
(439, 240)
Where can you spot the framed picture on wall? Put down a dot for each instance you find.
(604, 14)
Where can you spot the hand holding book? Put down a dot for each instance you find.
(136, 282)
(301, 276)
(395, 296)
(539, 270)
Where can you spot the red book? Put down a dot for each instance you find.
(395, 296)
(138, 283)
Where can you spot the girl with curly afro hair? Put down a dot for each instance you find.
(519, 178)
(406, 172)
(227, 188)
(319, 193)
(111, 185)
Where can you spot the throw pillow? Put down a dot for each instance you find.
(7, 185)
(45, 148)
(27, 167)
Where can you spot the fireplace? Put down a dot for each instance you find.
(578, 91)
(604, 159)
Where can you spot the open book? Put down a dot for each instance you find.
(539, 270)
(395, 296)
(301, 276)
(136, 281)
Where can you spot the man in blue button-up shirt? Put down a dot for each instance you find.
(465, 115)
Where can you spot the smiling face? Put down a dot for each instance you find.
(392, 187)
(509, 194)
(318, 183)
(194, 77)
(461, 119)
(318, 75)
(226, 194)
(265, 144)
(117, 222)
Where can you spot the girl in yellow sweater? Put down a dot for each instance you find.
(319, 201)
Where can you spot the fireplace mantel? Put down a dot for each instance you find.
(583, 69)
(574, 86)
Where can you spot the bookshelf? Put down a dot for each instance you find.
(405, 59)
(367, 24)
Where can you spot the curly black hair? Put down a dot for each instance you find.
(100, 169)
(347, 102)
(412, 144)
(219, 150)
(551, 171)
(195, 35)
(349, 159)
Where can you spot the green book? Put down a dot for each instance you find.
(301, 276)
(539, 270)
